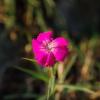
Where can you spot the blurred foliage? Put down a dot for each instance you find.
(21, 20)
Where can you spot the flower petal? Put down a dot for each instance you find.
(50, 60)
(41, 58)
(39, 55)
(35, 46)
(60, 53)
(44, 36)
(60, 41)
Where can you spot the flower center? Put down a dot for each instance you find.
(47, 45)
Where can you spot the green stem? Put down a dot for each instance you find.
(51, 83)
(48, 93)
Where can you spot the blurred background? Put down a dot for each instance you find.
(21, 20)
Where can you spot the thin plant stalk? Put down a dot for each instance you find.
(51, 83)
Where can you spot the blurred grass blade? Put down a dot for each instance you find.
(37, 75)
(76, 88)
(38, 68)
(32, 60)
(23, 96)
(69, 66)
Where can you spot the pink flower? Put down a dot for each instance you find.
(48, 50)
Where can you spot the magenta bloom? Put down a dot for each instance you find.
(48, 50)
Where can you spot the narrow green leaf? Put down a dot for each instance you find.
(38, 75)
(32, 60)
